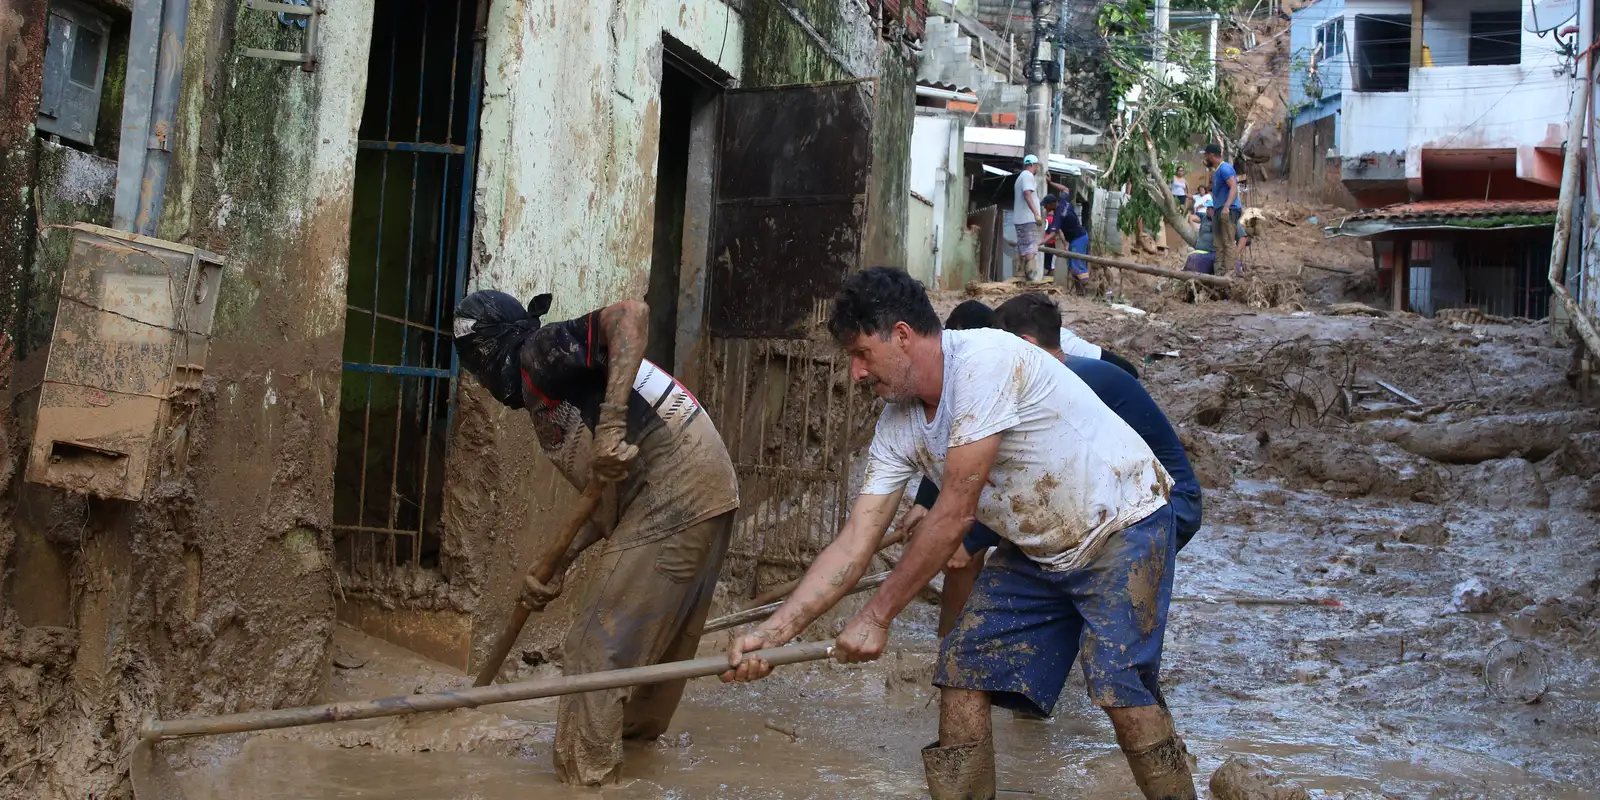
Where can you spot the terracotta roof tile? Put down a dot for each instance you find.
(1457, 209)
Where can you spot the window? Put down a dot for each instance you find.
(1382, 53)
(1330, 38)
(1496, 38)
(74, 70)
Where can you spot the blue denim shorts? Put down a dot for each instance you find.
(1023, 626)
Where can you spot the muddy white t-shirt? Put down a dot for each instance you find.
(1069, 472)
(1074, 346)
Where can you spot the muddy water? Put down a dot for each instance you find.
(1380, 697)
(1383, 696)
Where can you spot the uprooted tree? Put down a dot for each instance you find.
(1161, 108)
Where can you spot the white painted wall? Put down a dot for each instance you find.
(570, 136)
(1374, 122)
(1454, 106)
(1446, 27)
(930, 146)
(1484, 107)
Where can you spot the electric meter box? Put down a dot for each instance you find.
(121, 378)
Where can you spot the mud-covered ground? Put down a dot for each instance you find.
(1432, 565)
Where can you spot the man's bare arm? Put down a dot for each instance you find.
(966, 472)
(1233, 192)
(837, 568)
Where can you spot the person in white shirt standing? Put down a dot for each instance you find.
(1180, 188)
(1029, 219)
(1020, 443)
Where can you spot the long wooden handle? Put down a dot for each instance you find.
(758, 613)
(783, 590)
(542, 571)
(470, 698)
(1160, 272)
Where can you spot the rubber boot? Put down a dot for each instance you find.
(961, 772)
(1162, 770)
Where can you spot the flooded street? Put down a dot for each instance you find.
(1381, 693)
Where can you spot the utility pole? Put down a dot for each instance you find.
(1042, 78)
(1158, 48)
(1062, 13)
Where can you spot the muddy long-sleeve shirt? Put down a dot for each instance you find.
(683, 474)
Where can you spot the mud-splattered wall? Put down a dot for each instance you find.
(22, 24)
(566, 188)
(217, 595)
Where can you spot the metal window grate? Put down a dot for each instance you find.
(409, 252)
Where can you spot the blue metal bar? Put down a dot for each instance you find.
(411, 147)
(387, 369)
(405, 308)
(455, 58)
(468, 174)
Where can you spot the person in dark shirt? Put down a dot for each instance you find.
(972, 314)
(1069, 234)
(1034, 316)
(604, 413)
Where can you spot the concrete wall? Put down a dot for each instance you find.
(216, 595)
(1452, 106)
(921, 239)
(22, 36)
(1374, 122)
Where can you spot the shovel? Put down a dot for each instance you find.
(542, 571)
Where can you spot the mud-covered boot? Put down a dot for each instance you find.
(960, 772)
(1162, 770)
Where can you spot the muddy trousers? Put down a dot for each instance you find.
(644, 604)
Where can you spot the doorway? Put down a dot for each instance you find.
(691, 92)
(409, 232)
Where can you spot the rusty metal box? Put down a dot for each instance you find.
(126, 355)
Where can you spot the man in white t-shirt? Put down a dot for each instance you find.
(1029, 219)
(1019, 442)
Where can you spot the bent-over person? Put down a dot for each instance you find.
(603, 412)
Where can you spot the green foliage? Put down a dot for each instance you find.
(1172, 116)
(1310, 82)
(1219, 6)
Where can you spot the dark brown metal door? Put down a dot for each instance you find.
(793, 172)
(793, 175)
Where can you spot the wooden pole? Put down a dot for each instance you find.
(738, 618)
(1200, 277)
(156, 730)
(1570, 191)
(542, 571)
(782, 590)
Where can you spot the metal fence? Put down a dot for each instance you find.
(791, 417)
(409, 254)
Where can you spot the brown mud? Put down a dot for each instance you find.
(1382, 696)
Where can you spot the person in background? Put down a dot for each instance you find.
(972, 315)
(1180, 188)
(1051, 237)
(1069, 231)
(1204, 258)
(1226, 202)
(1028, 218)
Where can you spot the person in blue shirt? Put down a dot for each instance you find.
(1067, 233)
(1036, 318)
(1225, 198)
